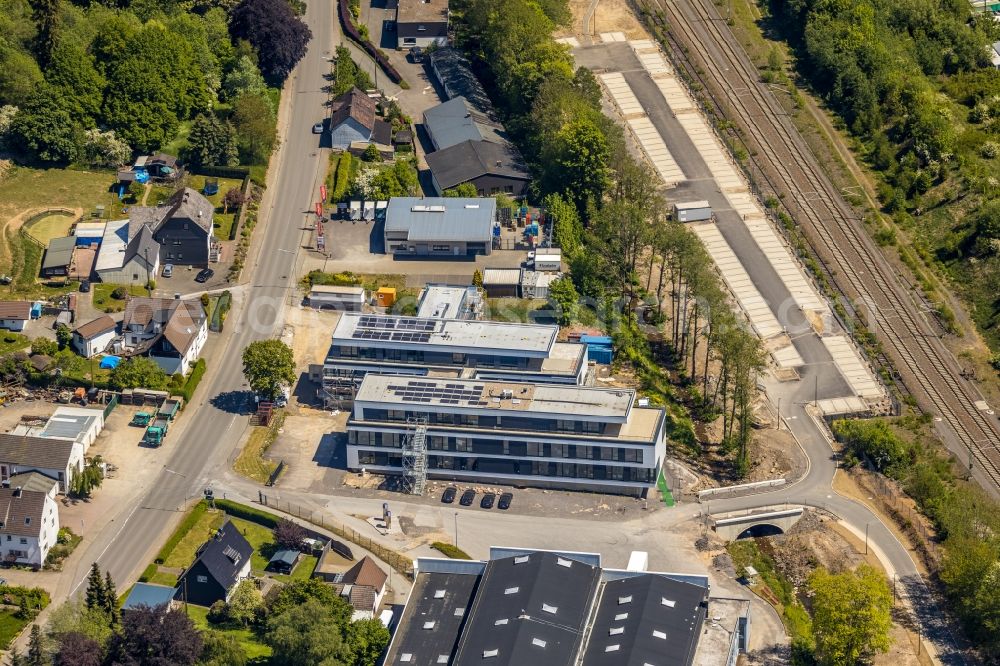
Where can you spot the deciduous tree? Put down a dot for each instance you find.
(221, 650)
(154, 637)
(367, 639)
(138, 372)
(45, 129)
(75, 649)
(244, 78)
(19, 76)
(288, 534)
(278, 35)
(254, 120)
(268, 365)
(246, 603)
(74, 75)
(851, 615)
(303, 634)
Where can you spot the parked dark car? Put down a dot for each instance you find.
(84, 286)
(505, 501)
(487, 502)
(204, 275)
(448, 496)
(416, 55)
(467, 497)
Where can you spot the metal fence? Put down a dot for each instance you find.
(895, 503)
(396, 560)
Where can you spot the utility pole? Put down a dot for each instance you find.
(456, 529)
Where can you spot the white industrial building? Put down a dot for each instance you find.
(542, 435)
(440, 226)
(443, 301)
(454, 348)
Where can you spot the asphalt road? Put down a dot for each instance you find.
(208, 436)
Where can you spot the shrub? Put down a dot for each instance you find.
(342, 178)
(148, 573)
(187, 390)
(119, 293)
(218, 613)
(449, 550)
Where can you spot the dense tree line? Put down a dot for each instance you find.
(89, 82)
(966, 517)
(609, 216)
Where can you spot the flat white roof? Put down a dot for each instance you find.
(453, 335)
(113, 245)
(441, 301)
(689, 205)
(333, 289)
(579, 401)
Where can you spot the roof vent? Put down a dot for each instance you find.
(442, 659)
(429, 624)
(625, 600)
(490, 653)
(521, 559)
(614, 631)
(669, 603)
(659, 634)
(538, 641)
(500, 622)
(549, 609)
(439, 594)
(612, 648)
(473, 205)
(459, 612)
(621, 616)
(563, 562)
(406, 657)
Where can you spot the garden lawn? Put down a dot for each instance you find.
(182, 555)
(25, 188)
(12, 342)
(10, 627)
(245, 637)
(106, 303)
(260, 538)
(223, 221)
(251, 462)
(164, 578)
(51, 226)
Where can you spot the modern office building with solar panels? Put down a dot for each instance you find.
(445, 348)
(542, 435)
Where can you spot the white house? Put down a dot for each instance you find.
(14, 314)
(57, 459)
(29, 522)
(171, 332)
(94, 337)
(76, 424)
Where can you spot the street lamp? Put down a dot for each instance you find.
(866, 538)
(456, 529)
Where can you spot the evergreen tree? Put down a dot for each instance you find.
(45, 13)
(95, 588)
(36, 655)
(110, 598)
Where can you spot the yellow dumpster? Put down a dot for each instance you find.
(385, 296)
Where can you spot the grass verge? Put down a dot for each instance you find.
(251, 462)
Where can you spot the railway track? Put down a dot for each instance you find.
(859, 269)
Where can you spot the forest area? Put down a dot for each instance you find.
(92, 82)
(644, 275)
(914, 84)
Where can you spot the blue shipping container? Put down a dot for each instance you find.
(602, 355)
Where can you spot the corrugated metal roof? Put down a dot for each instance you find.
(59, 252)
(442, 219)
(509, 276)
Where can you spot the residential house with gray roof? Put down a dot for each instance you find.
(29, 525)
(171, 332)
(56, 458)
(353, 121)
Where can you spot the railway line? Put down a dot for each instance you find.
(858, 268)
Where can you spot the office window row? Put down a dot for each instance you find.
(512, 422)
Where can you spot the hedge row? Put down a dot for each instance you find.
(245, 512)
(186, 525)
(347, 21)
(342, 179)
(192, 381)
(222, 306)
(448, 550)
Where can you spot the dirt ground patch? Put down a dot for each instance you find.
(610, 16)
(311, 331)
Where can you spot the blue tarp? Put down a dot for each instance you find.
(110, 362)
(141, 175)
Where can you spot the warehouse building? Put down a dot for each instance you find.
(454, 348)
(439, 227)
(526, 607)
(541, 435)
